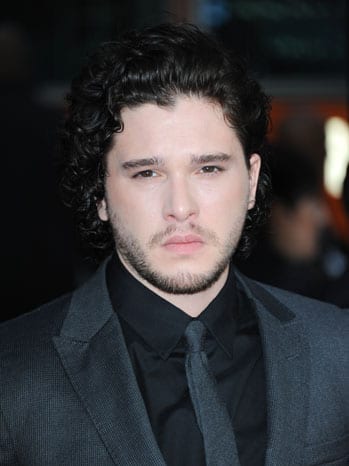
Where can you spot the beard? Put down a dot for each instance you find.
(181, 281)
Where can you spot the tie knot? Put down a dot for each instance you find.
(195, 334)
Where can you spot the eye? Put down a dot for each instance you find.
(210, 169)
(145, 174)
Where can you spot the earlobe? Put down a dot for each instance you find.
(102, 210)
(251, 203)
(255, 166)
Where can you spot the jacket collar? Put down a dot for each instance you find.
(287, 368)
(94, 355)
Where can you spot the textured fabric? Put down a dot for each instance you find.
(69, 396)
(154, 334)
(211, 413)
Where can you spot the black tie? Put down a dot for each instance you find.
(211, 413)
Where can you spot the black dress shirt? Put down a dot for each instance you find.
(153, 330)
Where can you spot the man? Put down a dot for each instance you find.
(164, 144)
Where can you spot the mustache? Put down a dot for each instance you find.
(160, 237)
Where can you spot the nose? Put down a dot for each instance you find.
(180, 202)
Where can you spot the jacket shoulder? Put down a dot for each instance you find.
(318, 318)
(37, 325)
(303, 305)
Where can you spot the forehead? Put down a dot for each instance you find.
(191, 125)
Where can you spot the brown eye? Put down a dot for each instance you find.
(210, 169)
(145, 174)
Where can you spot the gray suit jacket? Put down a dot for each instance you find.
(68, 394)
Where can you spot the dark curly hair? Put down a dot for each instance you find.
(154, 65)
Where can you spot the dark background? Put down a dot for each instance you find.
(304, 39)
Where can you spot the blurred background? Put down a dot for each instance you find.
(298, 50)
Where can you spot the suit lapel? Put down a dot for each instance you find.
(286, 358)
(94, 355)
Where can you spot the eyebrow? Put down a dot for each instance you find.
(145, 162)
(209, 158)
(157, 161)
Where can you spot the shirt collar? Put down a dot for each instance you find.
(221, 315)
(161, 324)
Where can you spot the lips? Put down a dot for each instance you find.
(183, 239)
(183, 244)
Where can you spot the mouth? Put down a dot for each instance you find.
(184, 244)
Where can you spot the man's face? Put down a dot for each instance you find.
(177, 194)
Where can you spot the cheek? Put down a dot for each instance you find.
(227, 207)
(135, 211)
(229, 195)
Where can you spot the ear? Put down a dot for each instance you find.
(102, 210)
(255, 166)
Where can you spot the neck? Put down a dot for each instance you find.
(191, 304)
